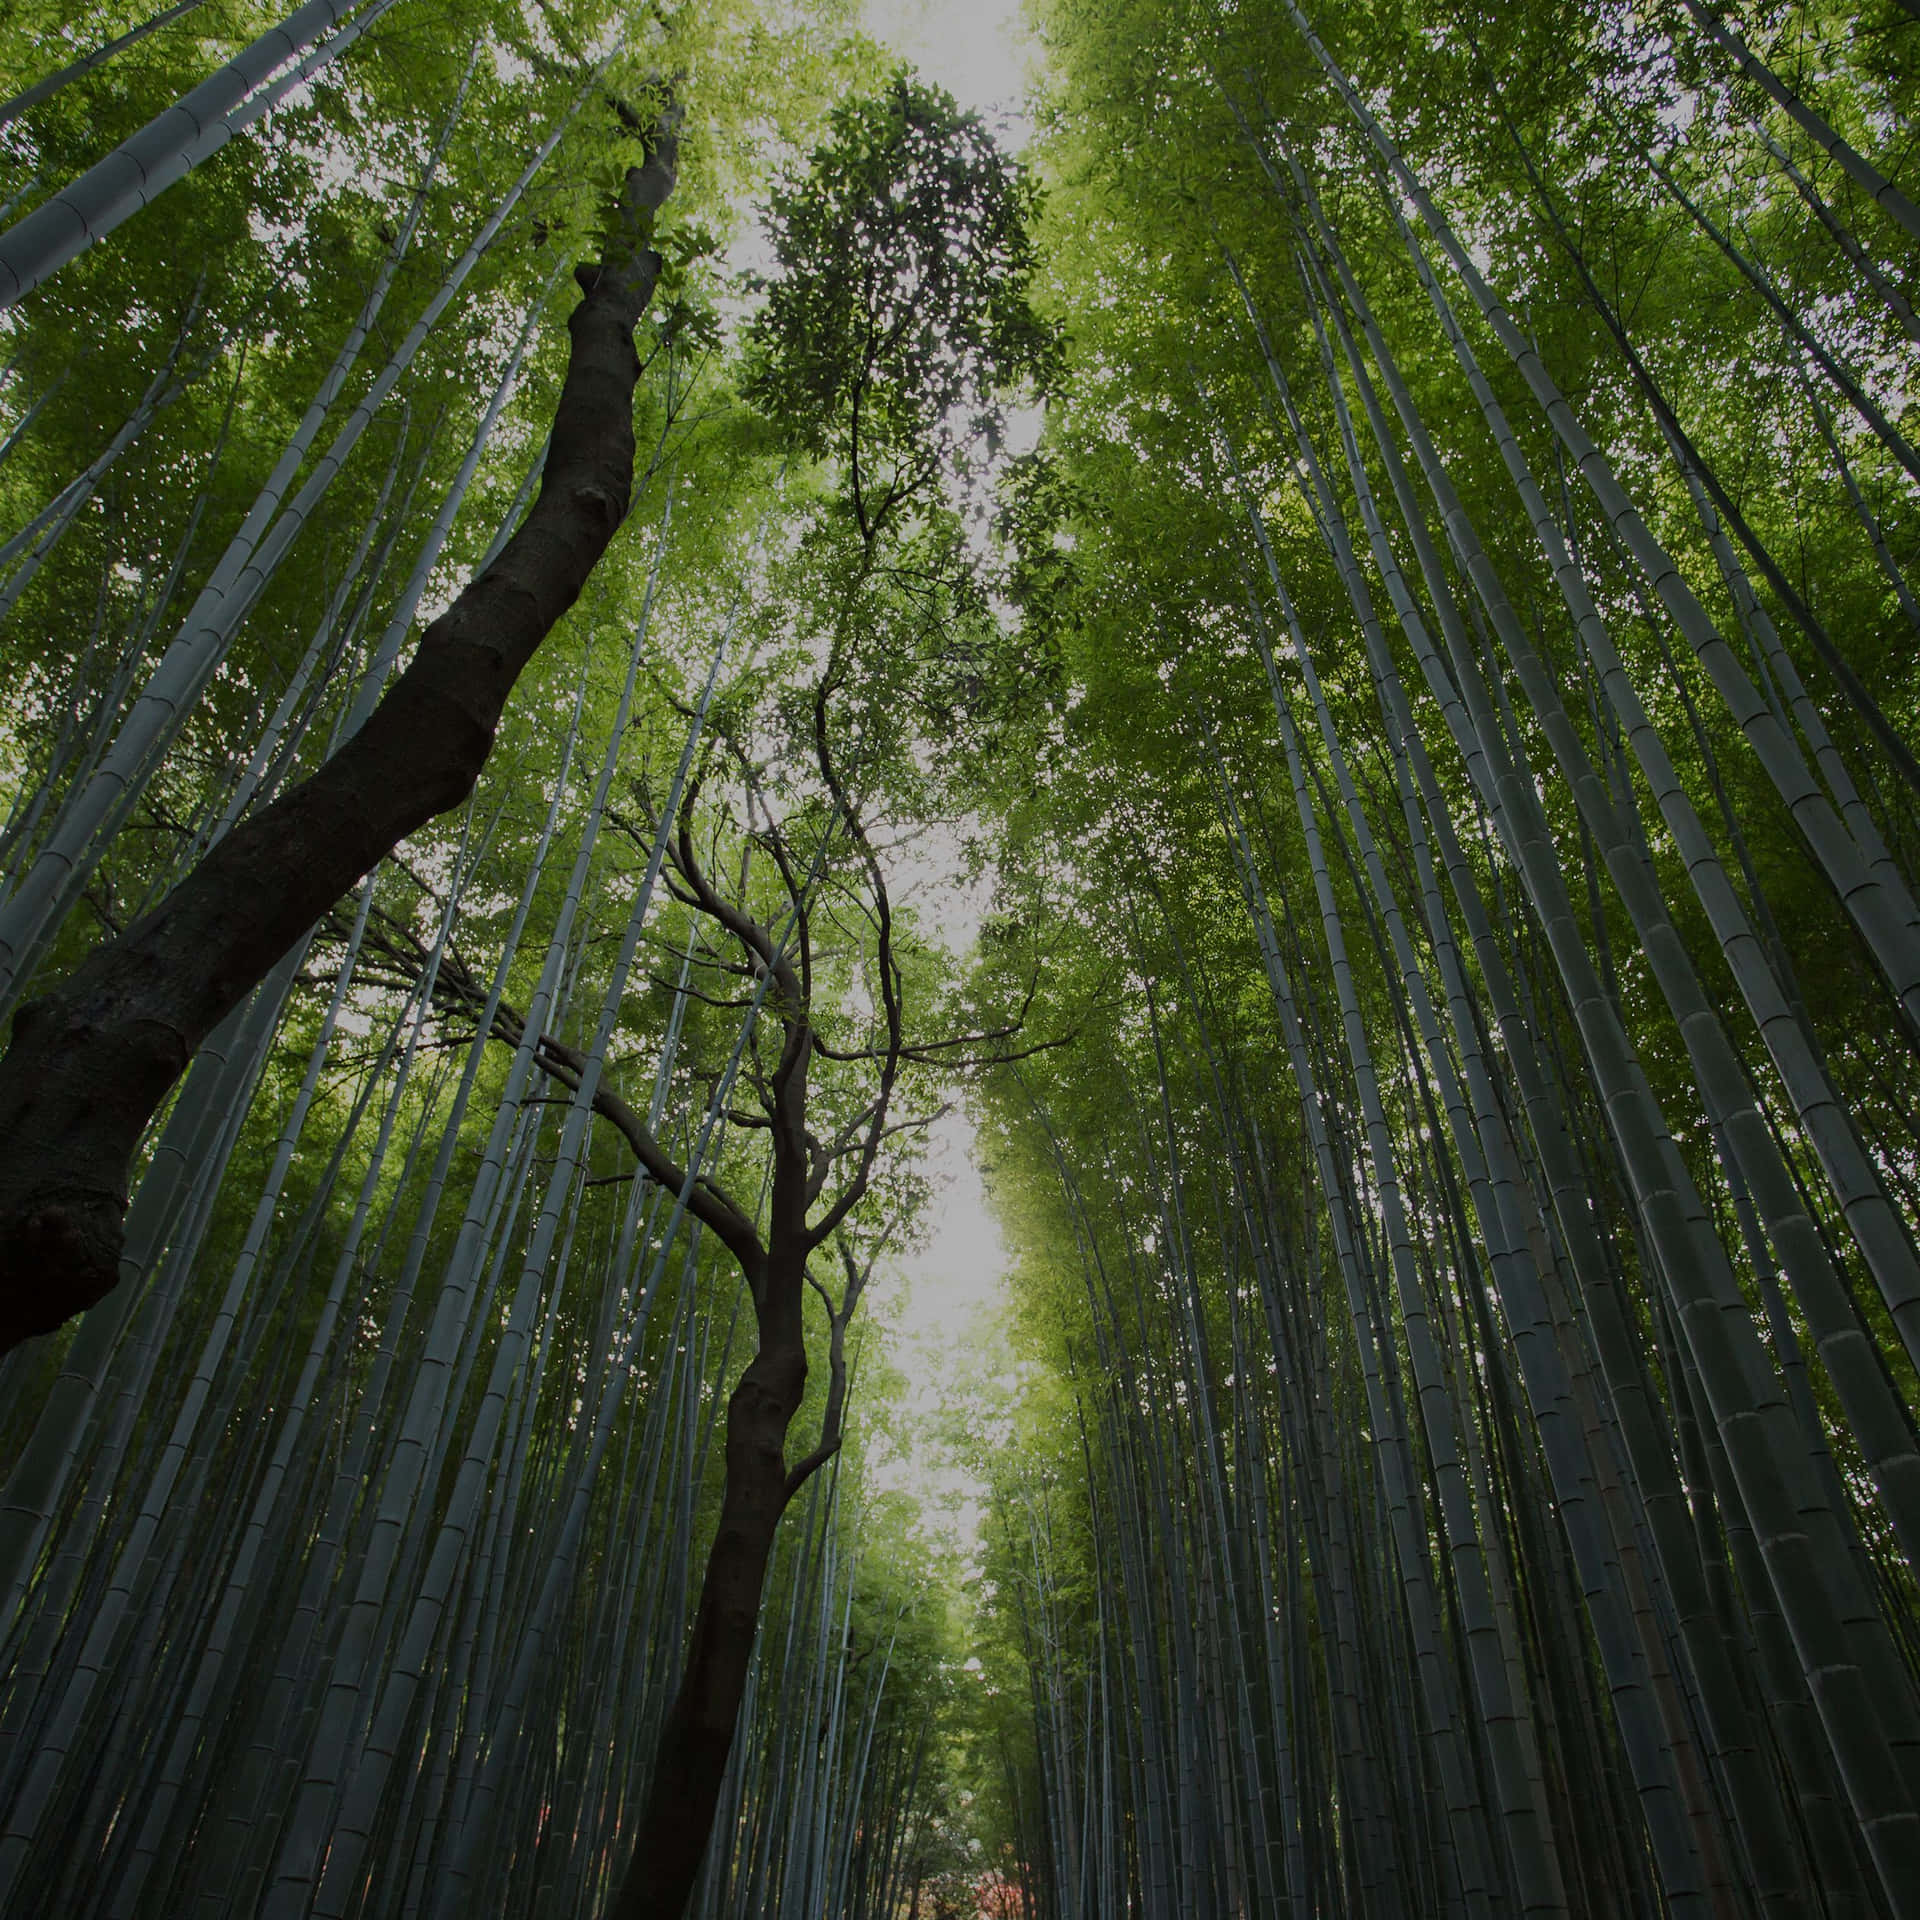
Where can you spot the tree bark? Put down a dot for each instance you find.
(690, 1762)
(697, 1736)
(91, 1062)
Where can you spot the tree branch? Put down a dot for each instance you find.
(833, 1418)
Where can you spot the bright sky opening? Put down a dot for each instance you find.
(944, 1296)
(973, 48)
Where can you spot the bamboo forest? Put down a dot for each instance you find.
(960, 959)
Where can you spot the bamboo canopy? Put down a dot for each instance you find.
(609, 616)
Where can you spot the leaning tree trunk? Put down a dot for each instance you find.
(91, 1062)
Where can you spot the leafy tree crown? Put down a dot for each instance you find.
(900, 319)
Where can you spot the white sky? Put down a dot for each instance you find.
(942, 1305)
(942, 1301)
(973, 48)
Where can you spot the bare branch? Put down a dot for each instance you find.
(833, 1418)
(706, 1201)
(890, 983)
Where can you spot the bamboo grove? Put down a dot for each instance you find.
(1480, 1284)
(1435, 720)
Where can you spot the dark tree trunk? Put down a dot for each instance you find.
(697, 1736)
(691, 1761)
(90, 1062)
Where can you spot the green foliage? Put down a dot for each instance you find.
(1047, 662)
(900, 319)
